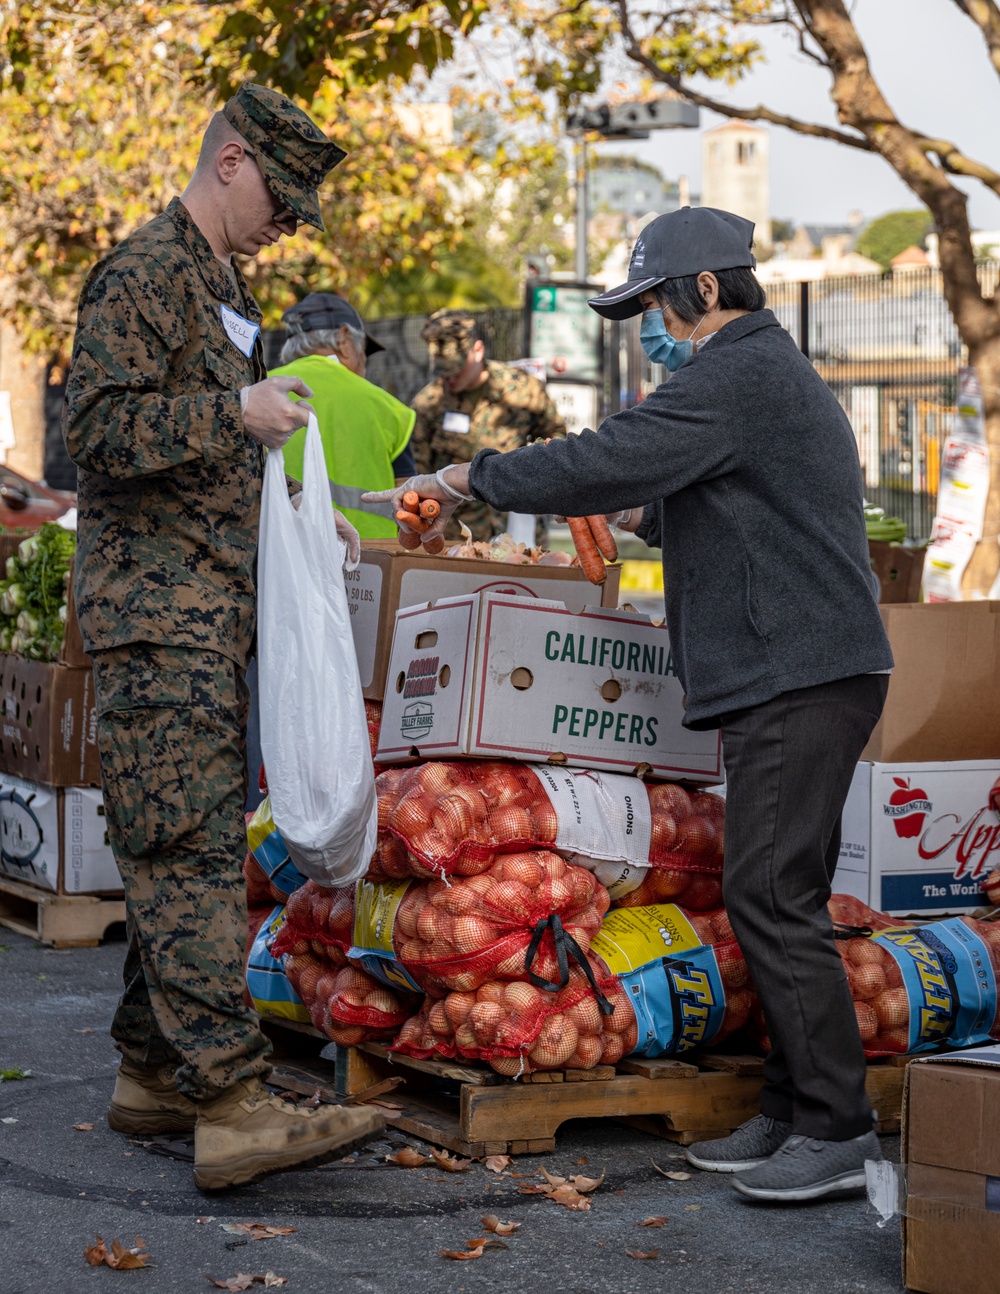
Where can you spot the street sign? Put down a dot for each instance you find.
(563, 331)
(577, 404)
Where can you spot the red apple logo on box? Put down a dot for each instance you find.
(907, 807)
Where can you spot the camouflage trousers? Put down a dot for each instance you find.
(171, 732)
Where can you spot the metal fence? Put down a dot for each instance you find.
(887, 347)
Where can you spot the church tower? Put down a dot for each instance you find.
(736, 175)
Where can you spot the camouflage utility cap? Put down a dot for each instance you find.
(449, 335)
(290, 149)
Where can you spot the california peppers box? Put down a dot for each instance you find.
(918, 839)
(56, 838)
(493, 676)
(389, 578)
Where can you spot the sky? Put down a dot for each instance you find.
(931, 64)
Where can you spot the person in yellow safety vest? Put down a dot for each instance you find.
(365, 430)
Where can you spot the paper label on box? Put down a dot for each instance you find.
(601, 816)
(364, 597)
(29, 833)
(949, 982)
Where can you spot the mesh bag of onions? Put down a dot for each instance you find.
(347, 1004)
(503, 923)
(663, 982)
(991, 888)
(452, 819)
(916, 988)
(318, 921)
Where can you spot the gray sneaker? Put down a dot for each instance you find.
(805, 1168)
(751, 1144)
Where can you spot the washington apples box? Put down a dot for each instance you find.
(56, 838)
(917, 839)
(389, 578)
(494, 676)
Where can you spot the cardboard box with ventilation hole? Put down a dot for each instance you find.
(389, 578)
(48, 722)
(492, 676)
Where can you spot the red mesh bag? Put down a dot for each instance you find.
(260, 891)
(346, 1004)
(445, 819)
(991, 885)
(457, 935)
(318, 920)
(373, 714)
(518, 1028)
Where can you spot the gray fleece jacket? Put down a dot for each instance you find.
(749, 473)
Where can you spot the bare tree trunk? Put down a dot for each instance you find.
(23, 375)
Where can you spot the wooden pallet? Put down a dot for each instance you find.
(62, 920)
(473, 1111)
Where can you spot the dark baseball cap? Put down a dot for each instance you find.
(675, 246)
(292, 152)
(326, 310)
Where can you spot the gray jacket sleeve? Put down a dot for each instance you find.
(689, 429)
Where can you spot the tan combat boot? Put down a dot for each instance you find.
(246, 1133)
(146, 1102)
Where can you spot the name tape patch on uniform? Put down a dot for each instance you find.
(456, 422)
(241, 332)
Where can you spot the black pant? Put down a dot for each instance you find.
(789, 764)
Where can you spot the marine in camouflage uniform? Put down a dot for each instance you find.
(508, 408)
(169, 497)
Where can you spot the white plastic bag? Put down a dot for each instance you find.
(313, 731)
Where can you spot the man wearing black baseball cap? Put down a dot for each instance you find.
(744, 470)
(365, 430)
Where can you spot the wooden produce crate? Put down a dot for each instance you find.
(62, 920)
(473, 1111)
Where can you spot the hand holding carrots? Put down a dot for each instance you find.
(418, 515)
(594, 542)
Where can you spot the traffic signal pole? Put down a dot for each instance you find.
(580, 153)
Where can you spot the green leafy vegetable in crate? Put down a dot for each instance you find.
(888, 530)
(33, 596)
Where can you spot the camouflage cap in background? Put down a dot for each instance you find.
(449, 335)
(290, 149)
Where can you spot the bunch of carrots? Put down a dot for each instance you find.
(591, 535)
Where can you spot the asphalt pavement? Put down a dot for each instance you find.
(367, 1225)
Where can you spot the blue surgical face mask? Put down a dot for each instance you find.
(660, 346)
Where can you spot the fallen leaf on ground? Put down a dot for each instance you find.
(691, 1207)
(651, 1222)
(634, 1253)
(201, 1221)
(83, 1031)
(474, 1249)
(83, 1127)
(579, 1163)
(551, 1178)
(492, 1223)
(449, 1164)
(586, 1184)
(497, 1163)
(120, 1258)
(569, 1198)
(407, 1157)
(11, 1075)
(9, 1119)
(257, 1230)
(673, 1174)
(243, 1281)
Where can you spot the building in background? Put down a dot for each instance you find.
(736, 176)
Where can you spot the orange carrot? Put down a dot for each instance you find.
(411, 501)
(603, 537)
(591, 561)
(408, 540)
(435, 545)
(412, 521)
(430, 509)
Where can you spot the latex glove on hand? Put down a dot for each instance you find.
(628, 519)
(449, 488)
(269, 416)
(350, 538)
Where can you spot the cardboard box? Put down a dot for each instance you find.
(48, 726)
(500, 677)
(389, 578)
(943, 702)
(917, 839)
(899, 570)
(950, 1144)
(56, 839)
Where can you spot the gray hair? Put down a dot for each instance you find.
(300, 344)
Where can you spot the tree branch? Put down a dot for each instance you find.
(986, 15)
(634, 50)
